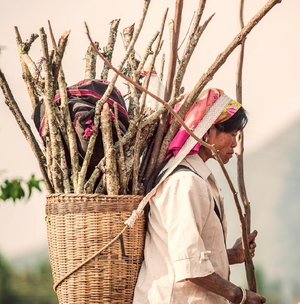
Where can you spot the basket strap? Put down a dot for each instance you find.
(207, 121)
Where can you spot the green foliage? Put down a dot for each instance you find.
(29, 286)
(33, 184)
(13, 189)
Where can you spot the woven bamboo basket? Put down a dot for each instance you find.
(78, 226)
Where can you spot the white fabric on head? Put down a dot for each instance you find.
(203, 126)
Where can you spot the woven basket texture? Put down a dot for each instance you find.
(78, 226)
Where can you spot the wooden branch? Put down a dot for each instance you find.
(100, 103)
(102, 185)
(138, 143)
(90, 184)
(128, 33)
(161, 74)
(220, 60)
(133, 109)
(48, 151)
(54, 45)
(151, 66)
(148, 51)
(162, 127)
(64, 169)
(64, 121)
(215, 66)
(177, 84)
(121, 158)
(196, 23)
(26, 74)
(71, 135)
(136, 161)
(96, 173)
(174, 47)
(26, 130)
(50, 113)
(58, 55)
(240, 165)
(109, 48)
(189, 50)
(112, 185)
(90, 62)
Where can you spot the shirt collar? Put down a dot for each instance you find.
(198, 164)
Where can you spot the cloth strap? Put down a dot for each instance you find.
(202, 127)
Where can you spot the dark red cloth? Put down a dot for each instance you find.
(83, 97)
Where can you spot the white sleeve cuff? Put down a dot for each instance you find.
(192, 268)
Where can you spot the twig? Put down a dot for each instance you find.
(65, 123)
(112, 185)
(71, 135)
(54, 45)
(152, 63)
(177, 83)
(188, 52)
(240, 165)
(162, 127)
(26, 74)
(50, 112)
(109, 48)
(133, 109)
(137, 149)
(64, 169)
(58, 55)
(173, 53)
(196, 22)
(148, 51)
(90, 62)
(26, 130)
(161, 74)
(121, 159)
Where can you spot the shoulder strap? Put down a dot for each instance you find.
(186, 168)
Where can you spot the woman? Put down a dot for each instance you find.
(185, 256)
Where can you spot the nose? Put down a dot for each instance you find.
(234, 142)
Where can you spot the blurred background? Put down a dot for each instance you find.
(270, 95)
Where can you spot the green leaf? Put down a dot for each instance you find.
(33, 183)
(12, 189)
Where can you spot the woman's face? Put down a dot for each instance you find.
(224, 143)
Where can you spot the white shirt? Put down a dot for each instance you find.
(185, 239)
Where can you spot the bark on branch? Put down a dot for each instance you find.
(26, 130)
(240, 164)
(109, 48)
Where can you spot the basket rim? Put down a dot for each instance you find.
(92, 195)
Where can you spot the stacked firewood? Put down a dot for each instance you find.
(128, 162)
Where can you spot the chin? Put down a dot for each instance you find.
(225, 161)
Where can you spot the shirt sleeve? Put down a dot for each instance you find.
(185, 208)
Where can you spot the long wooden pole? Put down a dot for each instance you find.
(240, 160)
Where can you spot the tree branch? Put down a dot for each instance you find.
(50, 112)
(90, 62)
(240, 164)
(109, 48)
(26, 130)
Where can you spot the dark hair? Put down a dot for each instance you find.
(235, 123)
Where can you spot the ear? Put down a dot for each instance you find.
(205, 136)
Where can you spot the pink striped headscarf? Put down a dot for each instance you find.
(205, 100)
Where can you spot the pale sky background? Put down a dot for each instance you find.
(270, 82)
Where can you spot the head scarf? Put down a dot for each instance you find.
(202, 105)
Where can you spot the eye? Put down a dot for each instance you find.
(234, 134)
